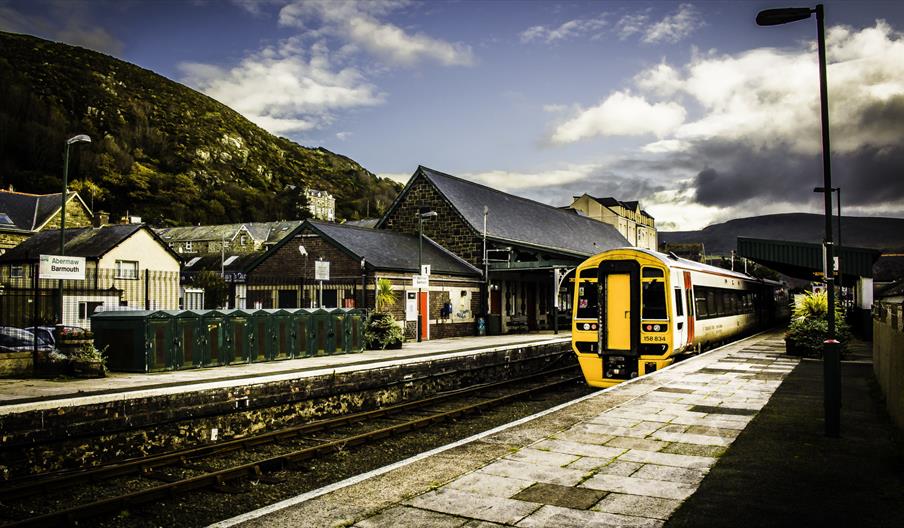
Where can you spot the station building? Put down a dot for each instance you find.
(524, 248)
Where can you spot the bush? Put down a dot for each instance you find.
(809, 328)
(382, 332)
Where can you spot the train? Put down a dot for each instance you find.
(636, 310)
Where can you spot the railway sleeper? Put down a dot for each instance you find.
(222, 486)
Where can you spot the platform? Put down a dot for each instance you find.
(626, 456)
(31, 393)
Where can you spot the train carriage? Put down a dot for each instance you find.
(636, 309)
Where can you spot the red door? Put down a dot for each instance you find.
(690, 308)
(425, 327)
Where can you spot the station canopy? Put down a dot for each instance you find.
(804, 260)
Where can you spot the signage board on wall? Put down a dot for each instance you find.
(322, 270)
(62, 267)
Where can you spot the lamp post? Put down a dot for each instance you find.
(421, 216)
(304, 275)
(81, 138)
(838, 203)
(831, 347)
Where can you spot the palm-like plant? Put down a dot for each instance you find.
(386, 298)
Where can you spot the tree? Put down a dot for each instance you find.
(215, 289)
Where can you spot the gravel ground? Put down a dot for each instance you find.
(204, 507)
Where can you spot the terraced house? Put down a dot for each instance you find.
(23, 215)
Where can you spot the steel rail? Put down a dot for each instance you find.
(46, 483)
(257, 468)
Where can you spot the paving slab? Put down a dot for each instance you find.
(474, 506)
(549, 516)
(638, 505)
(639, 486)
(564, 496)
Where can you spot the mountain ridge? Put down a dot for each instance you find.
(157, 145)
(859, 231)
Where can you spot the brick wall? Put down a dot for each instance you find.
(449, 229)
(287, 262)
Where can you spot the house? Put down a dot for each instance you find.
(525, 249)
(321, 204)
(357, 257)
(249, 237)
(22, 215)
(127, 266)
(635, 224)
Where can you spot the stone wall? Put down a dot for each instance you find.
(76, 216)
(449, 229)
(11, 240)
(16, 364)
(888, 356)
(287, 262)
(83, 435)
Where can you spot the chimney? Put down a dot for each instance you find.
(101, 219)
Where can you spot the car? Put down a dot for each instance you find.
(47, 333)
(19, 340)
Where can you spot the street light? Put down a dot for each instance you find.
(831, 347)
(81, 138)
(420, 251)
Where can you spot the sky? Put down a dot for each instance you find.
(688, 107)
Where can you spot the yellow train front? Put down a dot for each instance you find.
(635, 310)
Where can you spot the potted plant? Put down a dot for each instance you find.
(88, 362)
(809, 328)
(381, 331)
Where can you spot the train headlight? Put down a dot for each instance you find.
(586, 326)
(655, 328)
(649, 327)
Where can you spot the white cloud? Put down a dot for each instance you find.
(629, 25)
(285, 88)
(662, 80)
(515, 180)
(342, 136)
(358, 23)
(571, 29)
(621, 114)
(674, 27)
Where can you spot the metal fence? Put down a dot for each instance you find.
(25, 301)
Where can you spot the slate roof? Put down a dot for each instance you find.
(612, 202)
(389, 250)
(263, 232)
(233, 263)
(517, 220)
(29, 212)
(88, 242)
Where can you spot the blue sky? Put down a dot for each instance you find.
(688, 107)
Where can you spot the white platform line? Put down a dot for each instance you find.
(298, 499)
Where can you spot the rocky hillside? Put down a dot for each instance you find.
(160, 149)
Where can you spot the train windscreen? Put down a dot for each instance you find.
(654, 300)
(587, 301)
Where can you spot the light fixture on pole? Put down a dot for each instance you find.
(81, 138)
(421, 216)
(831, 347)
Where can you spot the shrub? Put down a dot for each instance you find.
(382, 332)
(809, 328)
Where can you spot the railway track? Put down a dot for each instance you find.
(137, 482)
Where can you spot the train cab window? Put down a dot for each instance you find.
(679, 307)
(652, 272)
(587, 301)
(653, 300)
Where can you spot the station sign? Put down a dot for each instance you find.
(322, 270)
(420, 282)
(61, 267)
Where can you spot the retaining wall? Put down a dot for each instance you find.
(105, 428)
(888, 356)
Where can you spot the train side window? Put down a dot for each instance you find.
(690, 303)
(679, 305)
(654, 300)
(711, 310)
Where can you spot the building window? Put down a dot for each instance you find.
(126, 269)
(242, 240)
(188, 247)
(85, 309)
(17, 272)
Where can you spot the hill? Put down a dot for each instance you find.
(867, 232)
(160, 149)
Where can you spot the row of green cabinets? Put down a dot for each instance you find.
(146, 341)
